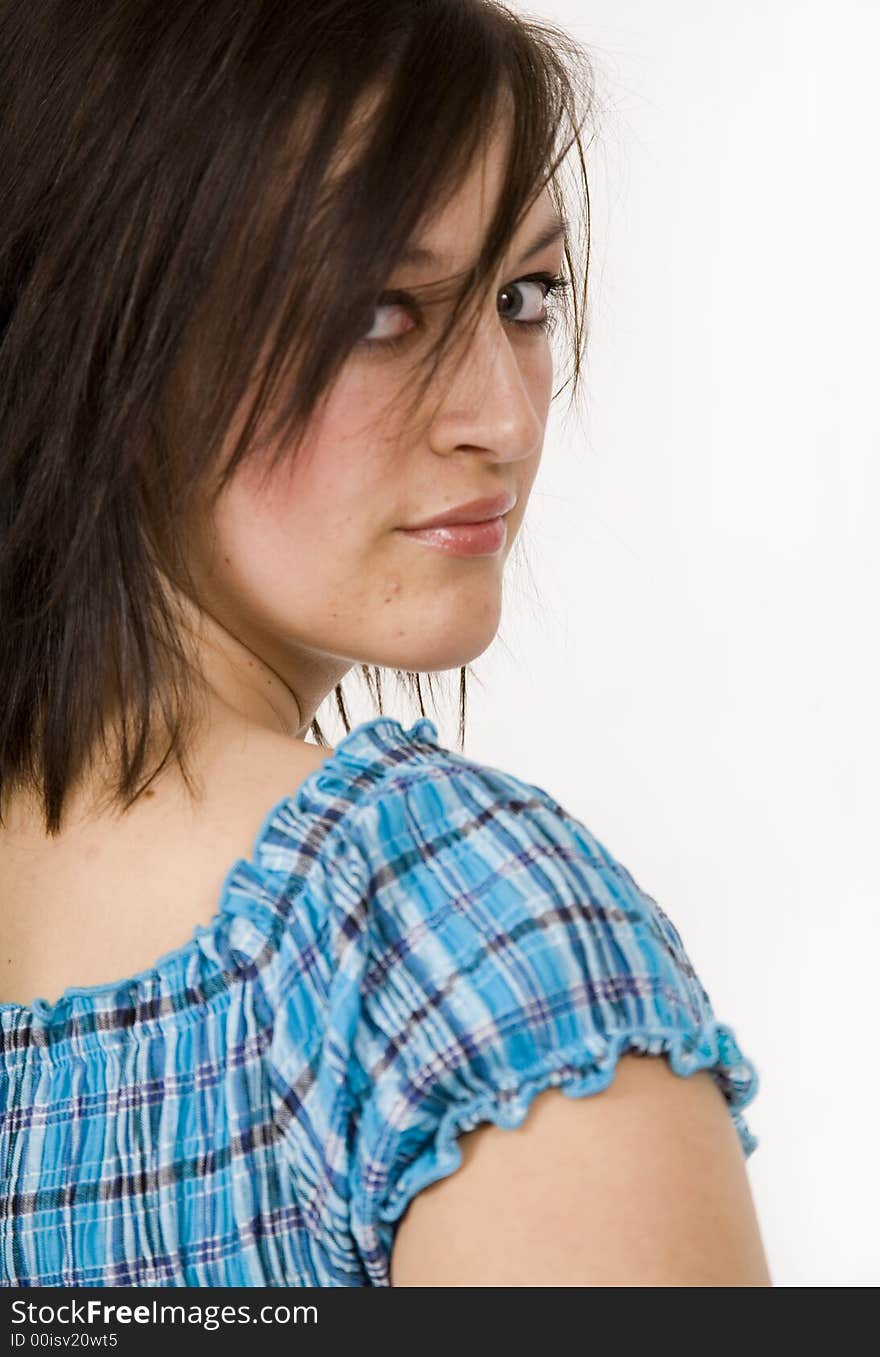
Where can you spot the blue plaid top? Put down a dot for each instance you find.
(419, 943)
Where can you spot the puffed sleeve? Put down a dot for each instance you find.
(502, 950)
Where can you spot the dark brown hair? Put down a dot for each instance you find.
(180, 185)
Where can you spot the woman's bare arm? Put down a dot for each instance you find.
(643, 1184)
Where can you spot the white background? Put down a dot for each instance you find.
(689, 653)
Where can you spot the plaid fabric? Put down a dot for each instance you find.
(419, 943)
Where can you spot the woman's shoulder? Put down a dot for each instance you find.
(479, 944)
(413, 809)
(467, 901)
(389, 782)
(426, 834)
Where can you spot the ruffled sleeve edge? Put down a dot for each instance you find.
(577, 1072)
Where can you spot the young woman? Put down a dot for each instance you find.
(277, 283)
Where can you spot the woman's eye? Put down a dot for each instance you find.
(531, 309)
(522, 303)
(389, 333)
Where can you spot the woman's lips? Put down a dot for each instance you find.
(463, 539)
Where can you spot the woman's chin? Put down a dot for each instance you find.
(424, 648)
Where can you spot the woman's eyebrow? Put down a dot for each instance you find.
(556, 229)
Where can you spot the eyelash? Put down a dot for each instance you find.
(553, 283)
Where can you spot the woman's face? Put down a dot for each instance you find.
(311, 574)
